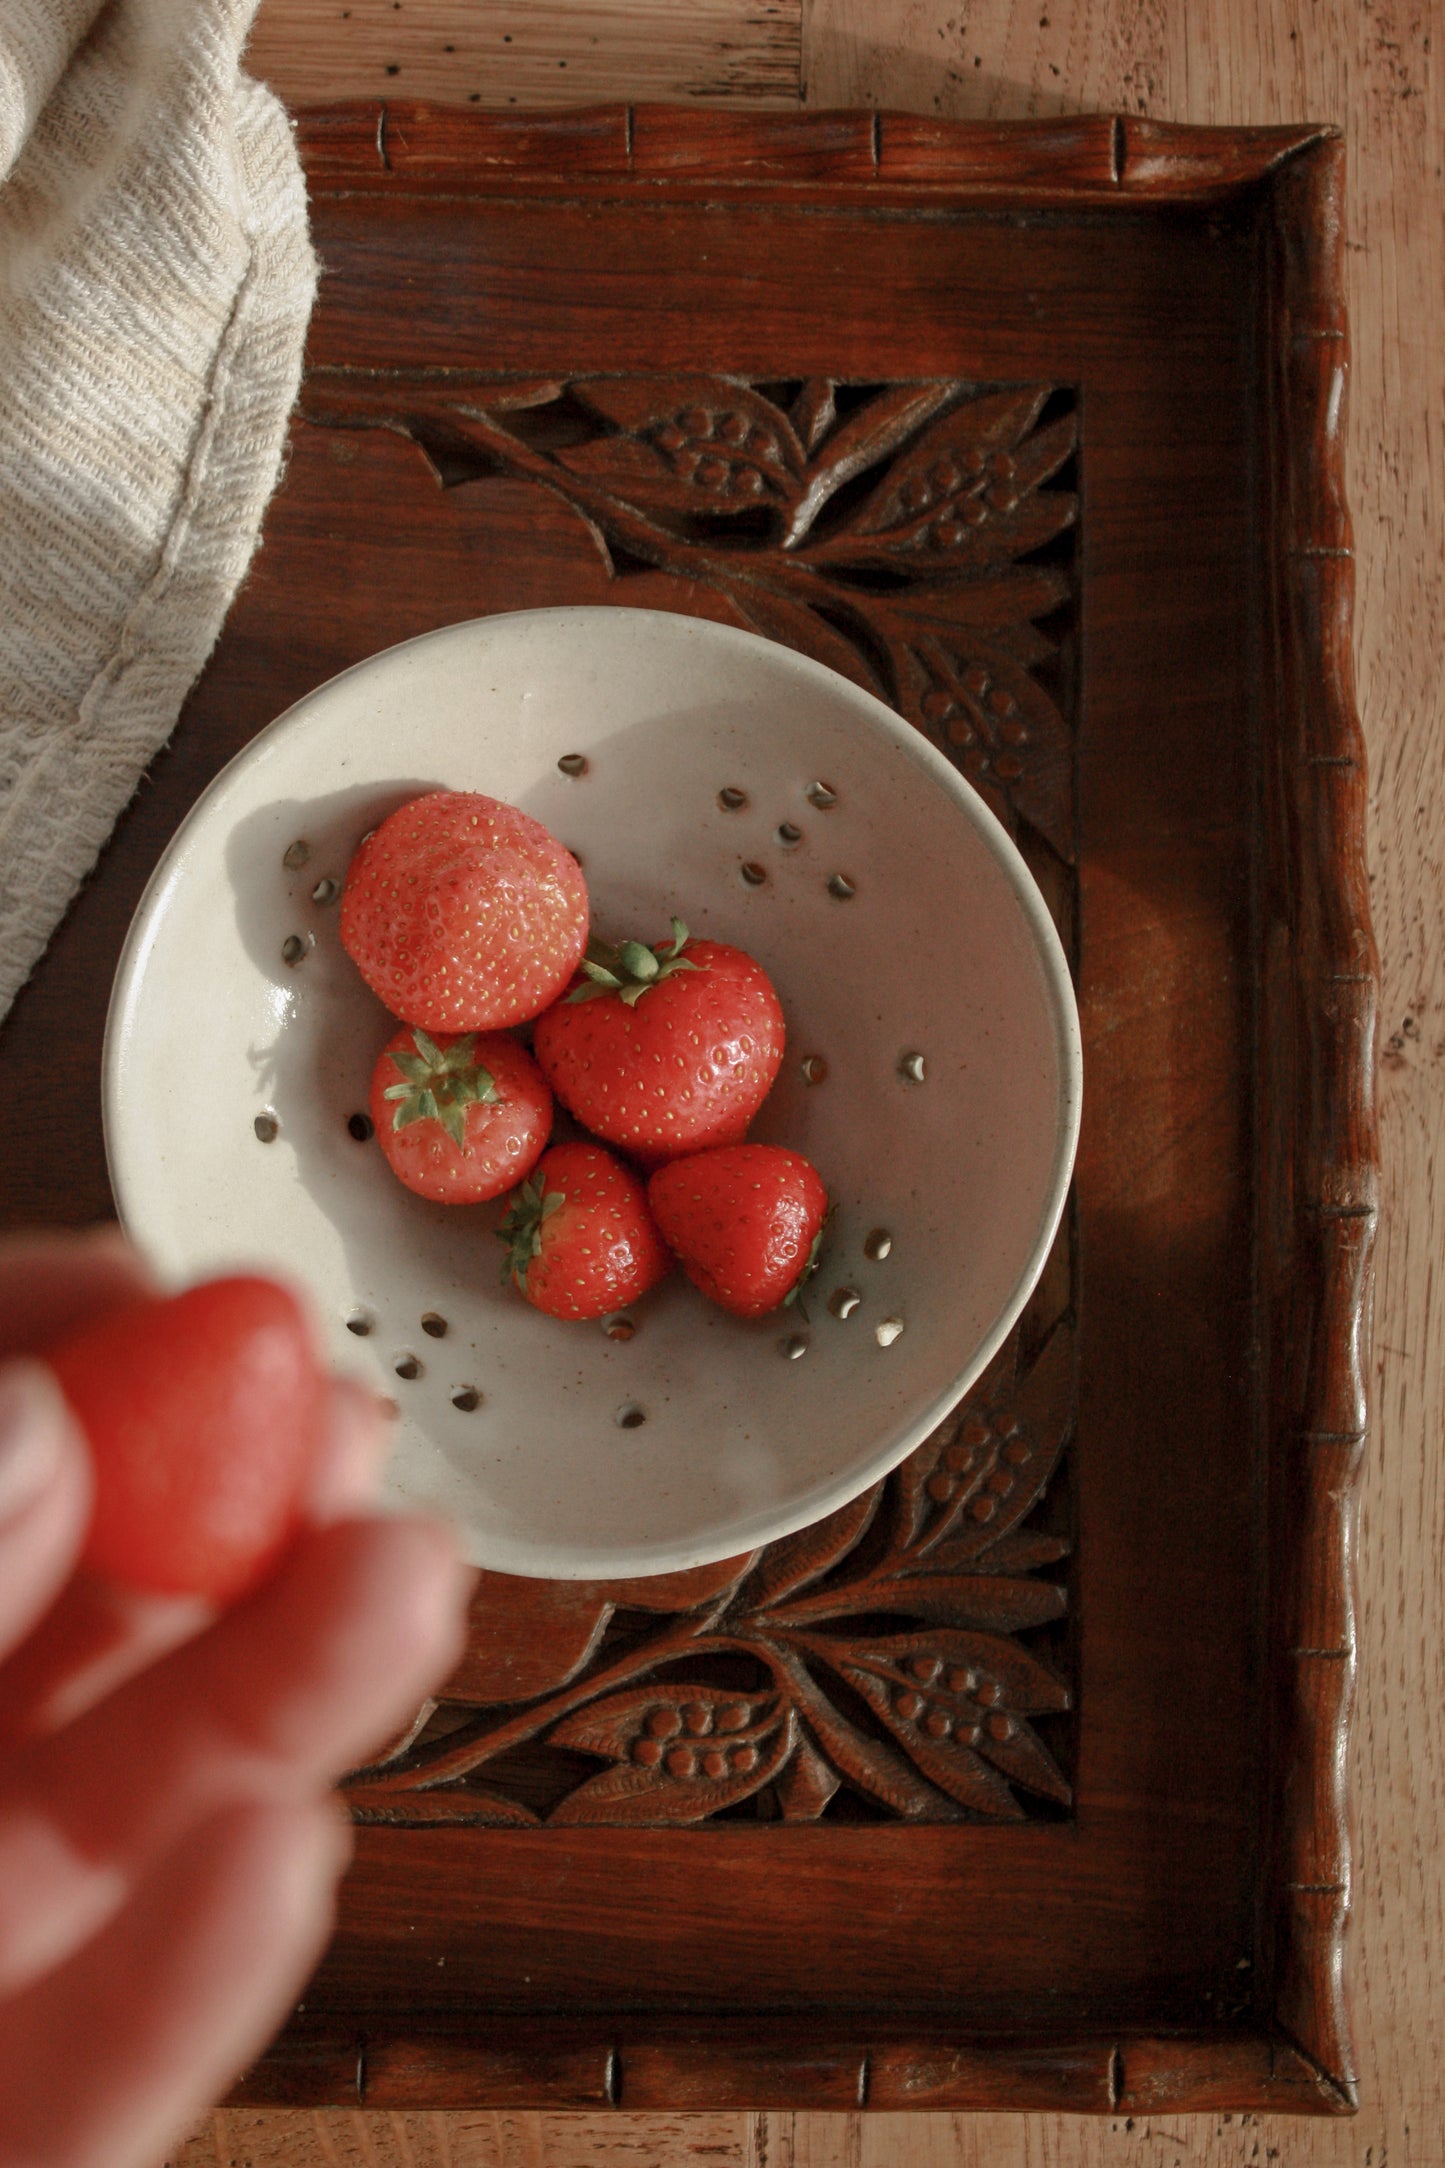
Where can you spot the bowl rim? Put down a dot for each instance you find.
(765, 1525)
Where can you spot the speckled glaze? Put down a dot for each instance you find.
(674, 757)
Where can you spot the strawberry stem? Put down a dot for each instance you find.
(632, 967)
(440, 1086)
(531, 1205)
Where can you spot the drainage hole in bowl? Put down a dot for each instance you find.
(466, 1397)
(877, 1244)
(814, 1068)
(573, 763)
(327, 889)
(822, 795)
(294, 947)
(267, 1128)
(619, 1327)
(630, 1416)
(435, 1324)
(361, 1127)
(359, 1322)
(731, 799)
(840, 886)
(753, 875)
(407, 1366)
(295, 854)
(788, 833)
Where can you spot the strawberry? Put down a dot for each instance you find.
(746, 1221)
(581, 1239)
(664, 1050)
(203, 1413)
(459, 1119)
(464, 914)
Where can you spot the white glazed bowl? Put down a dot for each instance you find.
(944, 950)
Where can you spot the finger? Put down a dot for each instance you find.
(276, 1699)
(44, 1496)
(110, 2058)
(95, 1636)
(98, 1634)
(353, 1450)
(51, 1281)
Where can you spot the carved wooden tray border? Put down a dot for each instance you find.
(1317, 1135)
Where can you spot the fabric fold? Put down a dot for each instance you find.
(156, 280)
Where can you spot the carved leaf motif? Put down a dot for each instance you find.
(438, 1808)
(688, 444)
(814, 411)
(912, 1505)
(991, 1466)
(691, 1781)
(975, 699)
(1022, 1756)
(1014, 1554)
(951, 460)
(797, 1560)
(939, 1661)
(954, 1700)
(779, 617)
(867, 1763)
(806, 1785)
(995, 1601)
(640, 474)
(663, 1716)
(990, 602)
(950, 1763)
(866, 437)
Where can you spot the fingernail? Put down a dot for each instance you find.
(32, 1427)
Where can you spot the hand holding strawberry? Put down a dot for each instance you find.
(171, 1845)
(203, 1414)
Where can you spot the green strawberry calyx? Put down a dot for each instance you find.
(441, 1086)
(810, 1266)
(531, 1205)
(632, 968)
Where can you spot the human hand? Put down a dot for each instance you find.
(169, 1848)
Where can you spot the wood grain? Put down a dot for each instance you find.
(1235, 61)
(529, 52)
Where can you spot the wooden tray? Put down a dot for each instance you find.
(1020, 1784)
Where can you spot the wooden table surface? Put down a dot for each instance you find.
(1370, 65)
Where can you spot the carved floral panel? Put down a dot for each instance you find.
(908, 1657)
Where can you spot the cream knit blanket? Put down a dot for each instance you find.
(155, 283)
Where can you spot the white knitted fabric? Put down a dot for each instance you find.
(155, 283)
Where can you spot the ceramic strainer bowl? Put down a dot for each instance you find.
(932, 1075)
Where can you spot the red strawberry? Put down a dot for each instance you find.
(203, 1415)
(459, 1120)
(582, 1241)
(464, 914)
(664, 1050)
(746, 1221)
